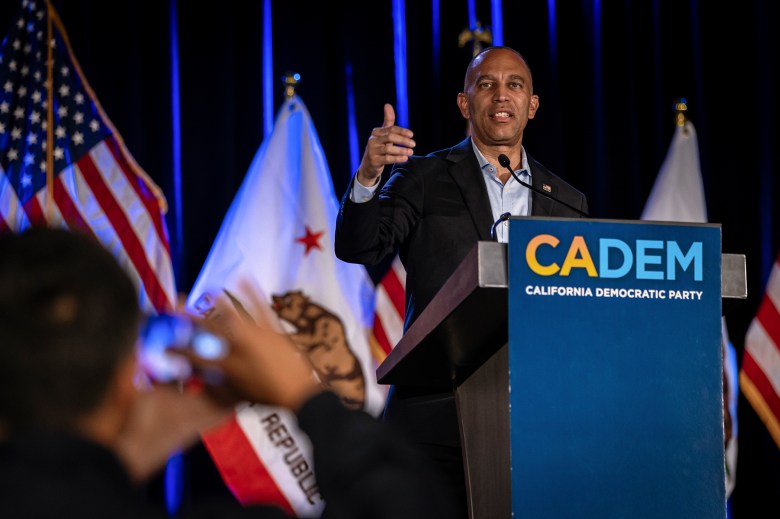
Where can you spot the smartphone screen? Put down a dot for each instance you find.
(163, 332)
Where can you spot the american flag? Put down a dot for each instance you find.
(759, 377)
(63, 164)
(388, 311)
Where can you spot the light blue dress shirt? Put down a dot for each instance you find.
(512, 197)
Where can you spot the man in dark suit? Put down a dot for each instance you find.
(433, 210)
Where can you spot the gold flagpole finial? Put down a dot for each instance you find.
(477, 36)
(290, 80)
(680, 107)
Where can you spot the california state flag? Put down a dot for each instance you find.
(274, 256)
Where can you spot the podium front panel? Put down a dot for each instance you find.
(615, 369)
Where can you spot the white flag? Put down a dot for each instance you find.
(274, 256)
(678, 192)
(678, 196)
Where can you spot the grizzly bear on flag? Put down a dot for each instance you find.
(320, 335)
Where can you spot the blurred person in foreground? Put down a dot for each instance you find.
(79, 436)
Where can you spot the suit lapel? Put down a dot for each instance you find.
(544, 181)
(466, 174)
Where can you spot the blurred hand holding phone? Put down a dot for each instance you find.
(161, 333)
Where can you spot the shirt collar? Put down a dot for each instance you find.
(484, 162)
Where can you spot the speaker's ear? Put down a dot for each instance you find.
(463, 105)
(534, 106)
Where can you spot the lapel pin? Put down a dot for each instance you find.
(547, 188)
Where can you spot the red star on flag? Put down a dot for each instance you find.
(311, 240)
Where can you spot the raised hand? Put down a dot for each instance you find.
(388, 144)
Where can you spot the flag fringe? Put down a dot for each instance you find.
(761, 407)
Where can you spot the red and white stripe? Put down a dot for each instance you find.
(250, 455)
(760, 374)
(389, 311)
(102, 194)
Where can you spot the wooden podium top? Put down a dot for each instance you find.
(463, 325)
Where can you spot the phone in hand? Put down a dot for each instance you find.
(165, 331)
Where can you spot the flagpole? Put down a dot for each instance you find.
(49, 115)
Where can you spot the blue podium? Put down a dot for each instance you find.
(585, 357)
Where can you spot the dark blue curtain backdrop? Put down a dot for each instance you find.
(607, 82)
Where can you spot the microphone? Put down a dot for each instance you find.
(504, 161)
(504, 217)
